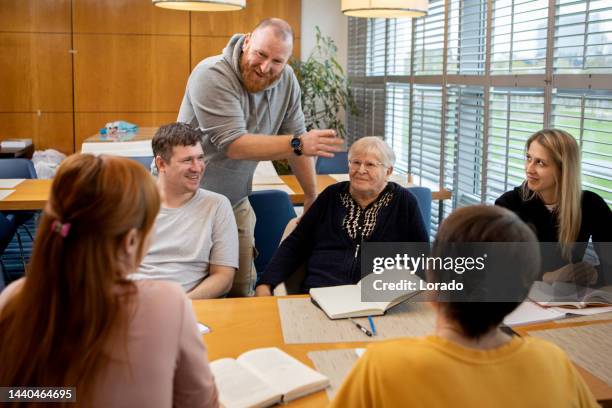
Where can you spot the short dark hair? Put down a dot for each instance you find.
(486, 223)
(174, 134)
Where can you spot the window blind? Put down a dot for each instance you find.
(514, 115)
(466, 37)
(587, 115)
(583, 36)
(429, 41)
(409, 86)
(518, 43)
(397, 124)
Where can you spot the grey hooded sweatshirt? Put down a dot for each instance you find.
(216, 101)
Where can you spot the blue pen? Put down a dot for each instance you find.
(372, 325)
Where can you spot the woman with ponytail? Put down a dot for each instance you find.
(75, 320)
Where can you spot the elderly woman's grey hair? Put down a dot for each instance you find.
(375, 145)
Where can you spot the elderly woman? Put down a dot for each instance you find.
(328, 238)
(552, 202)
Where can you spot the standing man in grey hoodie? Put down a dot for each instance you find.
(247, 102)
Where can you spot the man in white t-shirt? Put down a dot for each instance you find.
(195, 240)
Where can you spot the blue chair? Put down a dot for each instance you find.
(423, 197)
(273, 210)
(144, 160)
(16, 169)
(334, 165)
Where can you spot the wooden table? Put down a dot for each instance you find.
(33, 194)
(325, 180)
(30, 194)
(242, 324)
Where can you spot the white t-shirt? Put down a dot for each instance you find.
(186, 240)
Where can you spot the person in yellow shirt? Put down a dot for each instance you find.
(469, 361)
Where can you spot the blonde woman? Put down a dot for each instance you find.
(553, 203)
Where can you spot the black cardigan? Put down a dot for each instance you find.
(596, 225)
(329, 253)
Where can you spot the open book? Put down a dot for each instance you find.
(264, 377)
(570, 295)
(345, 301)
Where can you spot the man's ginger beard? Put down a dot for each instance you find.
(252, 82)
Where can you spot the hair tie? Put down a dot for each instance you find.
(60, 228)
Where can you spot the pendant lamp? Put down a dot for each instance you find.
(385, 8)
(201, 5)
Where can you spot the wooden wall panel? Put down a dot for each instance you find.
(35, 16)
(203, 47)
(35, 72)
(130, 73)
(47, 131)
(132, 62)
(88, 124)
(243, 21)
(128, 17)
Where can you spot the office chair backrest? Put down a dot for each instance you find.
(17, 168)
(273, 210)
(423, 197)
(334, 165)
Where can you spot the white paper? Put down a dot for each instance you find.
(339, 177)
(265, 173)
(137, 148)
(281, 187)
(5, 193)
(359, 351)
(10, 183)
(529, 312)
(586, 311)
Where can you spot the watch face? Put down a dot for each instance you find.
(295, 143)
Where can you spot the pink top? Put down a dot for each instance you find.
(167, 362)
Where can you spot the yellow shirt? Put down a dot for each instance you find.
(434, 372)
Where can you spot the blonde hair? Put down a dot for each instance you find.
(565, 153)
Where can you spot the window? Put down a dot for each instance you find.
(588, 116)
(457, 93)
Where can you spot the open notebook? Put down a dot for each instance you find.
(345, 301)
(264, 377)
(569, 295)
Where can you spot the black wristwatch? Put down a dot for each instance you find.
(296, 145)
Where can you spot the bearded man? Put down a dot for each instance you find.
(247, 102)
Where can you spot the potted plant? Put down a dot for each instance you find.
(325, 90)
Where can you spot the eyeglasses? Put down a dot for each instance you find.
(368, 165)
